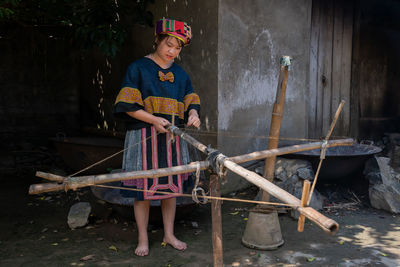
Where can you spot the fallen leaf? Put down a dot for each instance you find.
(112, 247)
(311, 259)
(197, 232)
(234, 213)
(245, 219)
(383, 254)
(45, 230)
(54, 244)
(65, 239)
(42, 198)
(87, 258)
(163, 244)
(153, 231)
(341, 242)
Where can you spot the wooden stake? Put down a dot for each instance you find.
(303, 203)
(216, 221)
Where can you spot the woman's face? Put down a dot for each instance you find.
(168, 49)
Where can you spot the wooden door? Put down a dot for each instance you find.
(330, 66)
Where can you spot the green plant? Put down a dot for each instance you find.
(88, 23)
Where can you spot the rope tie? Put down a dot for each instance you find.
(197, 189)
(324, 146)
(222, 171)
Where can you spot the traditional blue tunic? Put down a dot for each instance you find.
(163, 93)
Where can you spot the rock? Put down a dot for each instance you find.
(393, 150)
(285, 168)
(289, 175)
(384, 189)
(78, 215)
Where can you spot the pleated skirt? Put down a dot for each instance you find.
(145, 149)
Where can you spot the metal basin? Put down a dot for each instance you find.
(81, 152)
(340, 163)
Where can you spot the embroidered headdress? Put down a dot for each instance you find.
(178, 29)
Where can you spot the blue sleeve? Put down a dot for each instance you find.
(129, 97)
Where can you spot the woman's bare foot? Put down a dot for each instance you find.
(142, 249)
(175, 243)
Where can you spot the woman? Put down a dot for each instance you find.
(154, 89)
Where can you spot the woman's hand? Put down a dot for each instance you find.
(193, 119)
(159, 123)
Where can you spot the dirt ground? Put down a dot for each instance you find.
(34, 232)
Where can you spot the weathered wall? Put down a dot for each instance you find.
(39, 93)
(253, 35)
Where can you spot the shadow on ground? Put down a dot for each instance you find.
(34, 232)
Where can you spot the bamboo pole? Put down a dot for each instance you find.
(326, 224)
(216, 219)
(338, 111)
(83, 181)
(276, 121)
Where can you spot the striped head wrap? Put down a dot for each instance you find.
(177, 29)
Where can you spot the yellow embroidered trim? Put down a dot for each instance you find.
(189, 99)
(163, 105)
(129, 95)
(169, 76)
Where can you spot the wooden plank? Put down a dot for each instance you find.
(313, 131)
(326, 44)
(355, 74)
(337, 59)
(346, 66)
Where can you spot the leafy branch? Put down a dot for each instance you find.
(89, 23)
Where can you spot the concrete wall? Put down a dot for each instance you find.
(253, 35)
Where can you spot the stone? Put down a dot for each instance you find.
(384, 189)
(393, 150)
(78, 214)
(290, 175)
